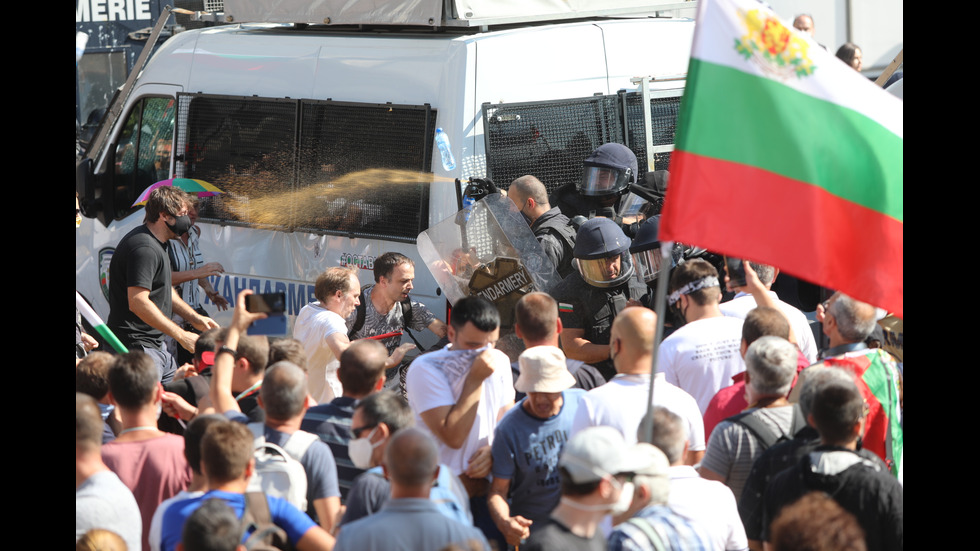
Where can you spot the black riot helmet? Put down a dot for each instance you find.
(608, 170)
(646, 250)
(602, 253)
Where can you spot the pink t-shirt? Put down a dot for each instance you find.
(154, 470)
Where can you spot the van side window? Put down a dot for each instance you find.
(317, 166)
(143, 148)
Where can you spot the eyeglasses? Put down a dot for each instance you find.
(356, 433)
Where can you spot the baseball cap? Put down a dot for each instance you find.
(207, 359)
(543, 369)
(595, 452)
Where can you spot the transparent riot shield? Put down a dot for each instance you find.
(487, 249)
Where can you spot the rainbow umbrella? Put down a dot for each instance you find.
(197, 187)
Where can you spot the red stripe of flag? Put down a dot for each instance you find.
(800, 228)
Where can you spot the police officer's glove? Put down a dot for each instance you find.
(485, 184)
(631, 229)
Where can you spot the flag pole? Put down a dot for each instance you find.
(660, 307)
(890, 70)
(96, 322)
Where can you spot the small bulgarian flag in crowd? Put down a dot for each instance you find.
(787, 156)
(96, 322)
(877, 378)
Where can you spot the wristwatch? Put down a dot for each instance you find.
(228, 349)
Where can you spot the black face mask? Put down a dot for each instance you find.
(527, 218)
(675, 314)
(180, 225)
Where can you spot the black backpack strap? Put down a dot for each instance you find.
(359, 320)
(407, 322)
(798, 422)
(407, 312)
(762, 431)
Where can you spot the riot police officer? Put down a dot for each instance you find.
(607, 175)
(647, 259)
(599, 288)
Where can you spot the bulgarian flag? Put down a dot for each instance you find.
(787, 156)
(878, 379)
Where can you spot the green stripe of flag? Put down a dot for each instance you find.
(760, 122)
(111, 338)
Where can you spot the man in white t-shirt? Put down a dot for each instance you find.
(459, 394)
(708, 503)
(701, 356)
(743, 302)
(322, 329)
(623, 401)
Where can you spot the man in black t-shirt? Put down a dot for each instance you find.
(142, 299)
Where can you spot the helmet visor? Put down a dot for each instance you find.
(601, 180)
(606, 272)
(633, 205)
(648, 264)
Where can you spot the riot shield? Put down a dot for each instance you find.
(487, 249)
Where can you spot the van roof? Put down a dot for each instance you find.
(275, 60)
(436, 13)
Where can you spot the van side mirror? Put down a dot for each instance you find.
(95, 191)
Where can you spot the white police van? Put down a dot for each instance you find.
(318, 123)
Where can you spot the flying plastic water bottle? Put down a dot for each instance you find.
(442, 142)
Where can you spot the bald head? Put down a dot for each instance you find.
(528, 187)
(411, 458)
(530, 196)
(631, 339)
(804, 23)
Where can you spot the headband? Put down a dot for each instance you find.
(696, 285)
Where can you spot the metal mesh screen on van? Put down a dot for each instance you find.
(550, 139)
(663, 122)
(318, 166)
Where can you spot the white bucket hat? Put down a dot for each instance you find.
(543, 369)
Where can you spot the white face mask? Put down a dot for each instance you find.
(625, 499)
(621, 506)
(360, 450)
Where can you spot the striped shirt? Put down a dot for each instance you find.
(332, 422)
(657, 528)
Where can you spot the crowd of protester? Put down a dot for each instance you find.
(334, 440)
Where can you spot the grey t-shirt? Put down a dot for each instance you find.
(732, 448)
(376, 323)
(103, 501)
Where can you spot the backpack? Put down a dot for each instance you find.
(278, 472)
(406, 306)
(763, 432)
(266, 535)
